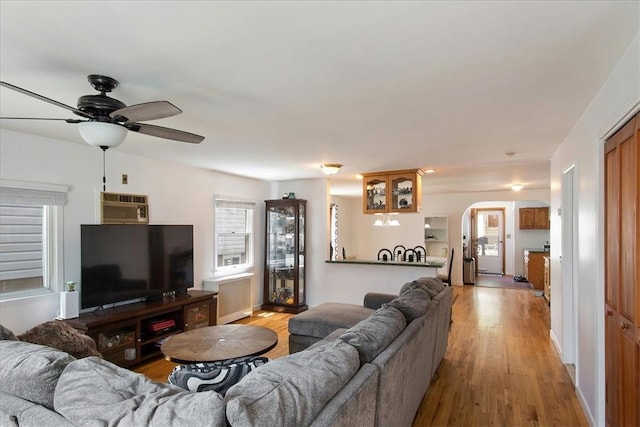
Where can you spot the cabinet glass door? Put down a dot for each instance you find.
(402, 198)
(376, 194)
(281, 235)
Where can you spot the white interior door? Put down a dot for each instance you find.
(489, 251)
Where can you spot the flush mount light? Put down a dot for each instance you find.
(430, 171)
(516, 187)
(331, 168)
(101, 134)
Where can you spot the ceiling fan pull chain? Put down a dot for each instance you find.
(104, 173)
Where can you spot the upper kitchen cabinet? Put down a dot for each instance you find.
(392, 191)
(534, 218)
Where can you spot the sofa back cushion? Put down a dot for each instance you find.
(93, 391)
(31, 371)
(412, 303)
(431, 285)
(374, 334)
(291, 391)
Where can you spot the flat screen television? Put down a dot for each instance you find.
(122, 262)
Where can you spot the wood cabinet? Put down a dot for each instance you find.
(129, 334)
(285, 268)
(534, 268)
(392, 191)
(622, 275)
(534, 218)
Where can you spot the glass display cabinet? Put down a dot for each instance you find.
(284, 274)
(392, 192)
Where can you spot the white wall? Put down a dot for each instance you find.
(177, 195)
(583, 147)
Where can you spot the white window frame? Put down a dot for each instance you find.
(52, 197)
(234, 202)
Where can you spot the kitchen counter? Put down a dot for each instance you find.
(435, 265)
(398, 272)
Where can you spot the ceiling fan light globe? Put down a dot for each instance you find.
(101, 134)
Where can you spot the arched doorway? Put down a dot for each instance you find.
(493, 237)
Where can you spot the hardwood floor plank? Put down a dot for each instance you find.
(500, 367)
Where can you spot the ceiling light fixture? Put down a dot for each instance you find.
(516, 187)
(430, 170)
(383, 220)
(331, 168)
(102, 134)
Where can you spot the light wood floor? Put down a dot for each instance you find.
(499, 369)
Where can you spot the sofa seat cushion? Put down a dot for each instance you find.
(292, 390)
(31, 371)
(375, 333)
(325, 318)
(93, 391)
(214, 376)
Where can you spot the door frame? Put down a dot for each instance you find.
(474, 235)
(569, 267)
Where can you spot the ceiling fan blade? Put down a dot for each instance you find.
(42, 118)
(146, 111)
(45, 99)
(162, 132)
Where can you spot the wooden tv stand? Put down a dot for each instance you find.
(130, 334)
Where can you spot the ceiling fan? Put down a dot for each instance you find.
(105, 121)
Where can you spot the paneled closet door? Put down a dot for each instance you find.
(622, 275)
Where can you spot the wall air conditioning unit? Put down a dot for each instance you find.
(118, 208)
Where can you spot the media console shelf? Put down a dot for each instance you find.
(130, 334)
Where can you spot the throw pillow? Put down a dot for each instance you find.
(375, 333)
(7, 334)
(215, 376)
(95, 392)
(291, 391)
(60, 335)
(31, 371)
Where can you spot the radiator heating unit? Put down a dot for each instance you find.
(234, 296)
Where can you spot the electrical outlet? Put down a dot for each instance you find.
(125, 178)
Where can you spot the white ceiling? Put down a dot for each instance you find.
(277, 88)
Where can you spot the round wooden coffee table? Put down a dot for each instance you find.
(215, 343)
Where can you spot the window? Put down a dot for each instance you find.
(233, 234)
(30, 238)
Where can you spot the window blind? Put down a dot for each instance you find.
(21, 241)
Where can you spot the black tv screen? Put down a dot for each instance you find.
(122, 262)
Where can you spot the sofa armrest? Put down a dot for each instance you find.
(374, 300)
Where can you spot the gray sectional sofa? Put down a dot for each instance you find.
(372, 373)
